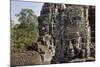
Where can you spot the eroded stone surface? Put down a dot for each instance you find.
(23, 57)
(68, 26)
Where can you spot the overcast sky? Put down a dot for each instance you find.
(16, 7)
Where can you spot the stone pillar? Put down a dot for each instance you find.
(87, 30)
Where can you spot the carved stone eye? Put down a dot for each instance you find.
(73, 41)
(76, 18)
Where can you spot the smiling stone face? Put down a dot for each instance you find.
(73, 41)
(73, 27)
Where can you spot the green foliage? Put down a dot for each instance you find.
(26, 32)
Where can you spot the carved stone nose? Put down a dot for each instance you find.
(70, 45)
(70, 50)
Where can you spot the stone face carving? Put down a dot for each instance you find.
(68, 28)
(77, 27)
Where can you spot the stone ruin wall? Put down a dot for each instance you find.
(66, 30)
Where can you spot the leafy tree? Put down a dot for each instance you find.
(26, 32)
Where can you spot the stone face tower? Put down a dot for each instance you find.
(66, 30)
(77, 29)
